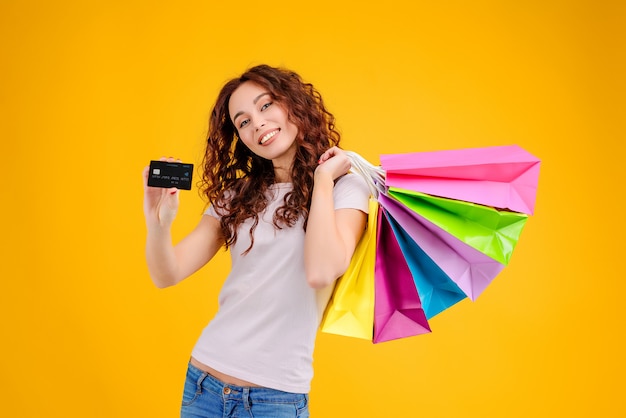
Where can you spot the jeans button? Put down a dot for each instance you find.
(226, 391)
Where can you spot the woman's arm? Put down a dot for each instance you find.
(169, 264)
(332, 235)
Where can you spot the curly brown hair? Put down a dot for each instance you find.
(235, 180)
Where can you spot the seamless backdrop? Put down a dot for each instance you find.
(91, 91)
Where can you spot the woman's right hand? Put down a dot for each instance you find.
(160, 205)
(168, 264)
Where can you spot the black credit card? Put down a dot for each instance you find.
(165, 174)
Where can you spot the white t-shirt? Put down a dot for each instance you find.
(265, 328)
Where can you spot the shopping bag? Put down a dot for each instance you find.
(503, 177)
(470, 269)
(350, 311)
(436, 289)
(398, 311)
(493, 232)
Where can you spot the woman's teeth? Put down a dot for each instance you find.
(267, 137)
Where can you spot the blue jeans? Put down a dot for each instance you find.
(207, 397)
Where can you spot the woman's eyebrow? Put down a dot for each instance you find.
(256, 99)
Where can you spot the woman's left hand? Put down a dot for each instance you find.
(334, 162)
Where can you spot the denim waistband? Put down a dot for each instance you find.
(232, 392)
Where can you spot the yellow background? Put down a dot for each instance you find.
(91, 91)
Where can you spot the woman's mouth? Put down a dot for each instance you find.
(268, 136)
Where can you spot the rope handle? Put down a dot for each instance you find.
(373, 175)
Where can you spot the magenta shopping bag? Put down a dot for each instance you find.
(398, 311)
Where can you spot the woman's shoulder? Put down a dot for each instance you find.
(351, 180)
(351, 191)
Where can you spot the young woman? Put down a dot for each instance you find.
(282, 201)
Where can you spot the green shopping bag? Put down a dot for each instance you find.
(491, 231)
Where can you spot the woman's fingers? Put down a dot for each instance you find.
(170, 159)
(145, 174)
(335, 162)
(160, 205)
(331, 152)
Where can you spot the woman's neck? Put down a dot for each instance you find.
(282, 171)
(282, 175)
(283, 165)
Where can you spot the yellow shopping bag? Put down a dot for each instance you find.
(350, 311)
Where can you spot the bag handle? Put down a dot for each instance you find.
(373, 175)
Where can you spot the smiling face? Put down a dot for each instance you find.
(263, 125)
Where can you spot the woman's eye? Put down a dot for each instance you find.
(244, 123)
(266, 105)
